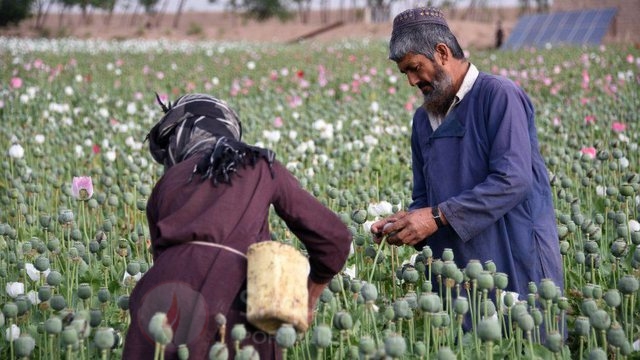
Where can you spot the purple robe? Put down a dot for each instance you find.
(193, 283)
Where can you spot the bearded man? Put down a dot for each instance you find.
(480, 186)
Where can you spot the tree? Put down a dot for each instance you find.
(12, 12)
(263, 10)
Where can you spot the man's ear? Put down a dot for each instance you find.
(442, 52)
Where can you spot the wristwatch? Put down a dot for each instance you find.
(436, 216)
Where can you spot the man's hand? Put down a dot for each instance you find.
(379, 228)
(411, 228)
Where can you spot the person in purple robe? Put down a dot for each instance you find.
(212, 202)
(480, 185)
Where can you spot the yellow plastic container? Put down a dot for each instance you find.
(277, 286)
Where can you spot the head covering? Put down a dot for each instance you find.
(200, 123)
(419, 16)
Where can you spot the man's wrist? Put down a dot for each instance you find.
(435, 212)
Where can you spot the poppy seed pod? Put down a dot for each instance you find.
(489, 330)
(367, 346)
(547, 289)
(447, 255)
(501, 280)
(10, 310)
(395, 346)
(342, 320)
(430, 302)
(248, 352)
(160, 329)
(238, 332)
(24, 346)
(359, 216)
(70, 336)
(286, 336)
(473, 269)
(445, 353)
(525, 322)
(616, 335)
(597, 354)
(54, 278)
(485, 280)
(410, 275)
(218, 351)
(600, 319)
(321, 336)
(554, 342)
(57, 302)
(461, 305)
(628, 284)
(369, 292)
(104, 295)
(104, 338)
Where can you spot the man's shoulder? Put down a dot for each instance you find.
(495, 81)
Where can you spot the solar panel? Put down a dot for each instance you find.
(583, 27)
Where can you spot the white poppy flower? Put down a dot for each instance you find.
(16, 151)
(12, 333)
(14, 289)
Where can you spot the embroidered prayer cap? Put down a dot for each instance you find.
(418, 16)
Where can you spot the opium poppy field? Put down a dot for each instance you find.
(76, 175)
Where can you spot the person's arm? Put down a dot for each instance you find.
(325, 237)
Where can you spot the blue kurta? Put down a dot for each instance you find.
(483, 169)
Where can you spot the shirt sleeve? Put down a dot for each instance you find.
(507, 115)
(326, 238)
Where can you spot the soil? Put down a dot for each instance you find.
(476, 30)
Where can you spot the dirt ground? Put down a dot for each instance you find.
(475, 31)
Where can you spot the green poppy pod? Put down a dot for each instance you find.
(410, 275)
(123, 302)
(395, 346)
(23, 346)
(473, 269)
(84, 291)
(104, 338)
(367, 346)
(525, 322)
(628, 284)
(461, 305)
(219, 351)
(436, 267)
(427, 252)
(532, 287)
(54, 278)
(508, 299)
(419, 348)
(490, 266)
(430, 302)
(286, 336)
(449, 269)
(369, 292)
(445, 353)
(70, 336)
(548, 289)
(335, 285)
(133, 268)
(616, 335)
(95, 317)
(554, 342)
(53, 325)
(238, 332)
(485, 280)
(321, 336)
(44, 292)
(537, 316)
(342, 320)
(359, 216)
(600, 319)
(619, 248)
(597, 354)
(57, 302)
(487, 308)
(447, 254)
(401, 308)
(10, 310)
(489, 330)
(588, 306)
(104, 295)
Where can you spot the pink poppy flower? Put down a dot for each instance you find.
(590, 152)
(589, 119)
(16, 82)
(82, 187)
(277, 122)
(618, 127)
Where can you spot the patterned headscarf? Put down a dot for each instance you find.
(200, 123)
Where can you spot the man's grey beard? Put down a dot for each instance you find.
(438, 100)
